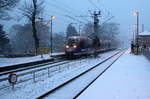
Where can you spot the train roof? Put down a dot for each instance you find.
(145, 33)
(78, 37)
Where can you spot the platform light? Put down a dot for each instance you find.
(53, 17)
(135, 13)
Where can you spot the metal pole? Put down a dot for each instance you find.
(142, 27)
(134, 36)
(137, 31)
(80, 30)
(137, 23)
(51, 36)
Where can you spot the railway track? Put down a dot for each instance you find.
(54, 59)
(26, 66)
(65, 84)
(23, 65)
(33, 70)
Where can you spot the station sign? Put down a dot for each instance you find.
(12, 78)
(43, 50)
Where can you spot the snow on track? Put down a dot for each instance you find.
(76, 86)
(30, 90)
(128, 78)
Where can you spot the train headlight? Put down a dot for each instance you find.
(67, 46)
(74, 46)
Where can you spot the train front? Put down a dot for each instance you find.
(72, 45)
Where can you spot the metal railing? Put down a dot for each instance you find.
(34, 74)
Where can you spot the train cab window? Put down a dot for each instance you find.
(71, 41)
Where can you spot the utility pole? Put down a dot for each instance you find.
(142, 27)
(95, 15)
(52, 18)
(137, 30)
(96, 21)
(96, 41)
(80, 29)
(51, 36)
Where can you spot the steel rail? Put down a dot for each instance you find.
(29, 67)
(97, 77)
(74, 78)
(37, 70)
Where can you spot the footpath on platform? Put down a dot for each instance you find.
(127, 78)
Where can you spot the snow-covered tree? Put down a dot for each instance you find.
(22, 40)
(4, 41)
(71, 31)
(58, 42)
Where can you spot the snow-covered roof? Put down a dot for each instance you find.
(144, 33)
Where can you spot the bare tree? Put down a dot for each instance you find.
(89, 29)
(6, 5)
(22, 40)
(33, 11)
(107, 31)
(59, 40)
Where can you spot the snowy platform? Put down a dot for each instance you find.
(14, 61)
(128, 78)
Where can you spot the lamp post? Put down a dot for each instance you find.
(52, 18)
(137, 31)
(134, 33)
(80, 29)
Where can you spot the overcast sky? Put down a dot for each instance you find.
(120, 9)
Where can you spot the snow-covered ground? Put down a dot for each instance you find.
(128, 78)
(30, 89)
(12, 61)
(76, 86)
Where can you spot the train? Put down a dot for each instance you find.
(78, 45)
(82, 45)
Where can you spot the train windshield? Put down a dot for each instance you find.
(71, 41)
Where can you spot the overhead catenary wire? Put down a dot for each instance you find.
(61, 24)
(62, 19)
(66, 6)
(62, 14)
(76, 12)
(94, 4)
(74, 19)
(65, 9)
(103, 6)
